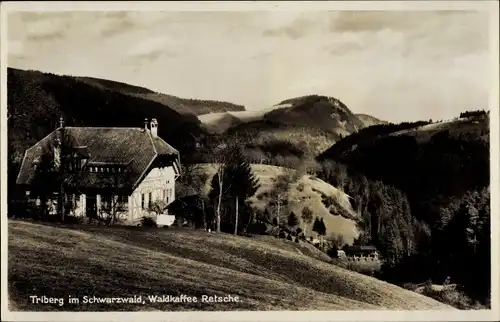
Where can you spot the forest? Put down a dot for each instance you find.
(424, 205)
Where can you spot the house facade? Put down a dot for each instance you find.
(360, 252)
(102, 171)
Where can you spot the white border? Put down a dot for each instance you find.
(486, 315)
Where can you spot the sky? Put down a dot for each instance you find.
(394, 65)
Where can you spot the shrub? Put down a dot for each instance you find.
(451, 296)
(332, 252)
(157, 207)
(258, 228)
(289, 237)
(148, 222)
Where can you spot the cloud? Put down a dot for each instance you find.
(44, 30)
(293, 25)
(394, 65)
(360, 21)
(150, 49)
(116, 23)
(295, 30)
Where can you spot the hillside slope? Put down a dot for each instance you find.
(264, 139)
(431, 163)
(218, 122)
(369, 120)
(307, 191)
(126, 262)
(325, 113)
(185, 106)
(221, 122)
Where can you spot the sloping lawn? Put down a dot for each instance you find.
(265, 274)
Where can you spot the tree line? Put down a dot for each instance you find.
(425, 206)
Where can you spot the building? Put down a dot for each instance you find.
(105, 169)
(357, 251)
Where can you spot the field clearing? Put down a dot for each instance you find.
(80, 260)
(306, 192)
(220, 122)
(455, 127)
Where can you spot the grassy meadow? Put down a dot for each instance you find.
(265, 273)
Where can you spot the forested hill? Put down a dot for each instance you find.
(317, 111)
(184, 106)
(423, 191)
(37, 100)
(438, 160)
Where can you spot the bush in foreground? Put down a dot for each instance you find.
(450, 295)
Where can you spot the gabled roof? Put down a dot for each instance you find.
(134, 148)
(360, 248)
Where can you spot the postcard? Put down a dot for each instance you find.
(250, 161)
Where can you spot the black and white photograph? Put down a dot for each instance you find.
(254, 160)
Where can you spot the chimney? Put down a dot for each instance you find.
(154, 128)
(145, 124)
(58, 144)
(60, 129)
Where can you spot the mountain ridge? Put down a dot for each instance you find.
(325, 112)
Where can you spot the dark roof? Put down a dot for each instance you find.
(358, 248)
(133, 148)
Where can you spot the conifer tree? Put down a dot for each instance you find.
(239, 184)
(292, 220)
(321, 230)
(316, 226)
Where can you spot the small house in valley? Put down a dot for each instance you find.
(102, 169)
(361, 251)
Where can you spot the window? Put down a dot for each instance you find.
(106, 202)
(142, 201)
(150, 199)
(122, 202)
(123, 198)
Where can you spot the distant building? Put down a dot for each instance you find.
(127, 167)
(341, 254)
(361, 251)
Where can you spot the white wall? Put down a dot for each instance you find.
(158, 180)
